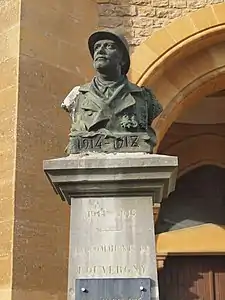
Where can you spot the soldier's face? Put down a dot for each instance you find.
(107, 55)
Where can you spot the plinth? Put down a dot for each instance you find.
(112, 240)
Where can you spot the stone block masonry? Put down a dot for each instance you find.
(140, 18)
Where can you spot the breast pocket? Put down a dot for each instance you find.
(88, 107)
(88, 112)
(88, 115)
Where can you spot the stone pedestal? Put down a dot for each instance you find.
(112, 240)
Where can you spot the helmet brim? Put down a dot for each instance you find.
(105, 35)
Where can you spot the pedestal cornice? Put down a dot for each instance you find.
(121, 174)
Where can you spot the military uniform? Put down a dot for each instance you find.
(123, 107)
(111, 109)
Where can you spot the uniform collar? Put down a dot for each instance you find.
(130, 87)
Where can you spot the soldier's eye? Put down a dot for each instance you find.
(110, 46)
(96, 47)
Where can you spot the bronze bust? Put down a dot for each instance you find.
(111, 114)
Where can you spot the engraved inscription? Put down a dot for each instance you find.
(134, 141)
(111, 270)
(114, 239)
(113, 220)
(101, 212)
(96, 213)
(99, 142)
(126, 214)
(89, 143)
(126, 142)
(113, 249)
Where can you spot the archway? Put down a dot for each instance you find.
(182, 66)
(212, 155)
(183, 63)
(190, 234)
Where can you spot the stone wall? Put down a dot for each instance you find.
(140, 18)
(9, 62)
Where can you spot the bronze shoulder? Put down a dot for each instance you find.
(155, 107)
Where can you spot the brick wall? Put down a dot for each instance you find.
(140, 18)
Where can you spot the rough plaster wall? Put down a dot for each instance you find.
(140, 18)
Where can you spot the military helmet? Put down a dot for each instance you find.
(118, 38)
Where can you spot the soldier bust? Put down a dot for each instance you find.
(111, 114)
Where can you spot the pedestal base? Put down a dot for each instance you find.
(112, 237)
(112, 225)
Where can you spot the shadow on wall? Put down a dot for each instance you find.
(199, 198)
(52, 62)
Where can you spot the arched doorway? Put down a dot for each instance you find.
(183, 68)
(193, 220)
(199, 199)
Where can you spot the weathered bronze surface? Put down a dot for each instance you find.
(110, 114)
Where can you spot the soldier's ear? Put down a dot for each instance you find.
(122, 59)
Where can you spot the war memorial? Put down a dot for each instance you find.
(111, 179)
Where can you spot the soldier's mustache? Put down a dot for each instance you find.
(100, 56)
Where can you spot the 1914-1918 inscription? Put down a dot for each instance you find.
(101, 143)
(102, 212)
(113, 289)
(111, 252)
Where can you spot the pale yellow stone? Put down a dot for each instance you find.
(181, 28)
(9, 14)
(219, 12)
(204, 19)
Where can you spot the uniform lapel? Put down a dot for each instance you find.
(92, 100)
(123, 102)
(125, 98)
(94, 103)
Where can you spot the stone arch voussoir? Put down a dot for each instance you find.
(196, 151)
(181, 66)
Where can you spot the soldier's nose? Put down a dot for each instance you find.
(101, 49)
